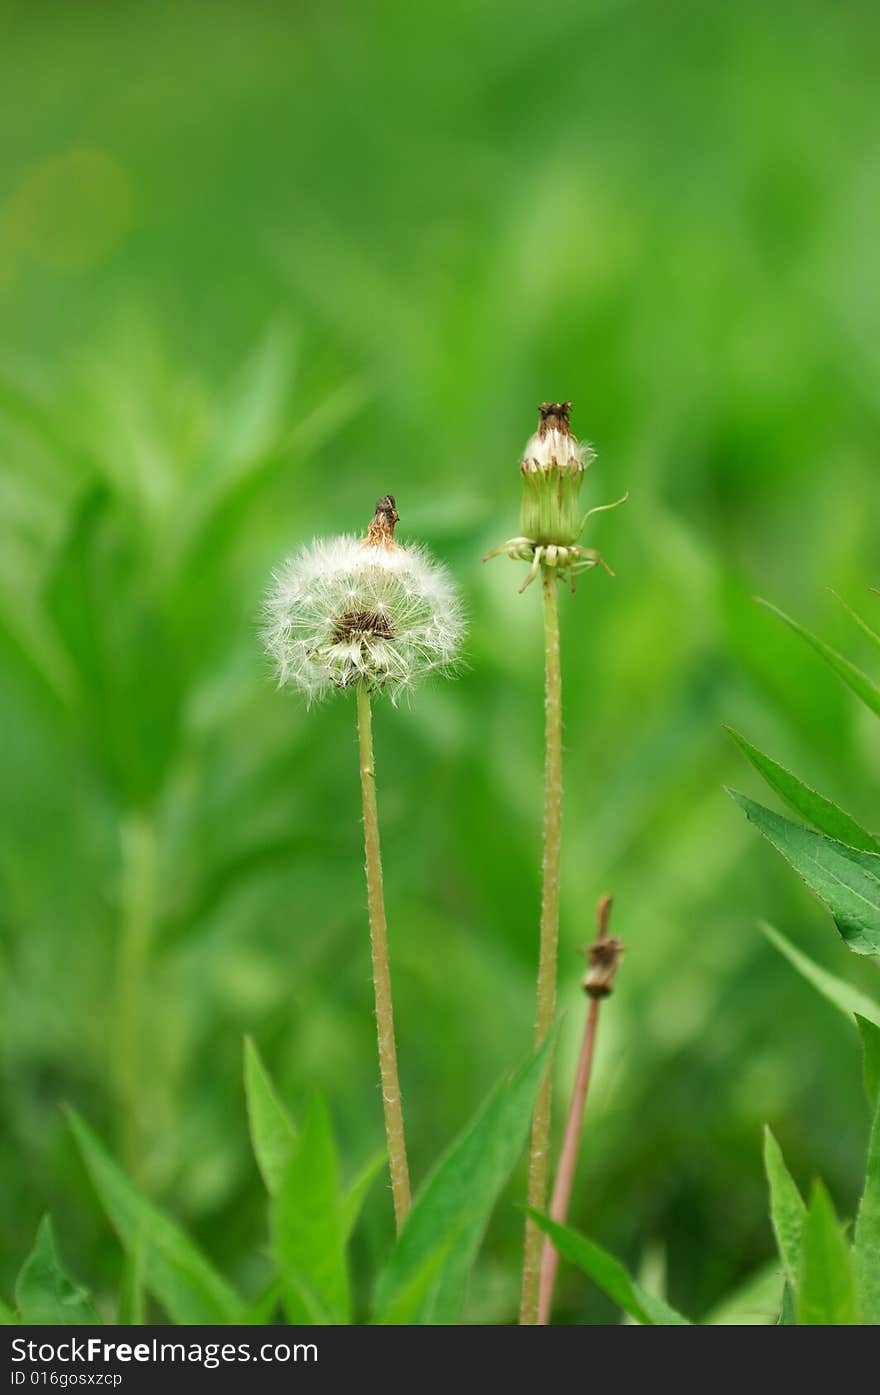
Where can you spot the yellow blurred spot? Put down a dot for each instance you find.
(68, 213)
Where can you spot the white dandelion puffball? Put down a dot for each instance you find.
(342, 611)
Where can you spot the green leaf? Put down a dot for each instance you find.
(7, 1317)
(452, 1209)
(307, 1227)
(788, 1310)
(846, 879)
(866, 1246)
(355, 1196)
(807, 802)
(650, 1275)
(408, 1302)
(756, 1302)
(132, 1305)
(826, 1286)
(176, 1272)
(610, 1275)
(851, 1001)
(870, 1034)
(862, 624)
(787, 1209)
(272, 1130)
(261, 1311)
(45, 1293)
(128, 666)
(863, 686)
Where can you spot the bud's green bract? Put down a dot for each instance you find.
(552, 471)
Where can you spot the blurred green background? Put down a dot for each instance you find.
(260, 264)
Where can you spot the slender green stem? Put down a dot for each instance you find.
(381, 966)
(539, 1159)
(138, 912)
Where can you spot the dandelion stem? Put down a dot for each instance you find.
(138, 898)
(568, 1157)
(546, 993)
(381, 967)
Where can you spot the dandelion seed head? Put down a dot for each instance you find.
(342, 611)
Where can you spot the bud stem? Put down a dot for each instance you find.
(381, 967)
(546, 992)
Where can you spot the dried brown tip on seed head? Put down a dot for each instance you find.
(604, 956)
(554, 416)
(381, 530)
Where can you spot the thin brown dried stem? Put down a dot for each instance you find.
(604, 957)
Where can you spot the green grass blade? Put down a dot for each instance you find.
(866, 1245)
(851, 1001)
(452, 1209)
(353, 1199)
(307, 1228)
(787, 1209)
(863, 686)
(822, 813)
(862, 624)
(176, 1272)
(610, 1275)
(869, 1032)
(262, 1310)
(756, 1302)
(45, 1293)
(408, 1302)
(273, 1133)
(132, 1302)
(846, 879)
(826, 1284)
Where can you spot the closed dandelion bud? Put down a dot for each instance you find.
(552, 471)
(347, 610)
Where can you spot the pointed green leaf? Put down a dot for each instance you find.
(408, 1302)
(307, 1228)
(846, 879)
(788, 1311)
(866, 1246)
(787, 1210)
(262, 1310)
(850, 1000)
(45, 1293)
(452, 1209)
(610, 1275)
(756, 1302)
(826, 1286)
(650, 1275)
(356, 1194)
(176, 1272)
(132, 1305)
(272, 1130)
(863, 686)
(870, 1035)
(862, 624)
(807, 802)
